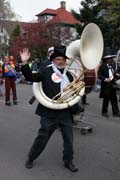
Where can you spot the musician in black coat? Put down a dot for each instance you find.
(50, 118)
(108, 92)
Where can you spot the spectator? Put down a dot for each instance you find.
(9, 73)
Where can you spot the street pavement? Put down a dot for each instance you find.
(97, 154)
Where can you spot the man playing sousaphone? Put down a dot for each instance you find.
(54, 78)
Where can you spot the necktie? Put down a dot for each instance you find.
(110, 72)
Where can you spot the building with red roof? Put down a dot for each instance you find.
(62, 26)
(60, 17)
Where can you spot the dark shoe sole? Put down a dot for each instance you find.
(8, 104)
(15, 103)
(105, 115)
(72, 168)
(29, 164)
(116, 116)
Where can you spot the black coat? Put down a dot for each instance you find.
(103, 73)
(50, 88)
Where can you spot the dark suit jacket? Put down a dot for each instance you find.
(50, 88)
(103, 73)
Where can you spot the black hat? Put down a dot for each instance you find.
(105, 58)
(59, 51)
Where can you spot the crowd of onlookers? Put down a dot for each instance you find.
(10, 75)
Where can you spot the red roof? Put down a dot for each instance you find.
(61, 15)
(64, 16)
(47, 11)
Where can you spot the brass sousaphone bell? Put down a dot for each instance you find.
(85, 53)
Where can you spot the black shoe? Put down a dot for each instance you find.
(71, 167)
(105, 115)
(29, 164)
(8, 103)
(15, 102)
(116, 115)
(86, 103)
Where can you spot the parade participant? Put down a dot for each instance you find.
(50, 118)
(9, 73)
(47, 60)
(108, 91)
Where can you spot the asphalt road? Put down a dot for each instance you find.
(97, 154)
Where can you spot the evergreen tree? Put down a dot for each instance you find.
(105, 13)
(16, 31)
(112, 19)
(87, 13)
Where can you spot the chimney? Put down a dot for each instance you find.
(63, 4)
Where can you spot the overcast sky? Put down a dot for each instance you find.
(27, 9)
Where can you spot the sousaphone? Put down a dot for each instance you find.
(84, 54)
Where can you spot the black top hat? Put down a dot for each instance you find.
(105, 58)
(59, 51)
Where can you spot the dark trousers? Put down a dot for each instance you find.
(10, 84)
(48, 126)
(112, 98)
